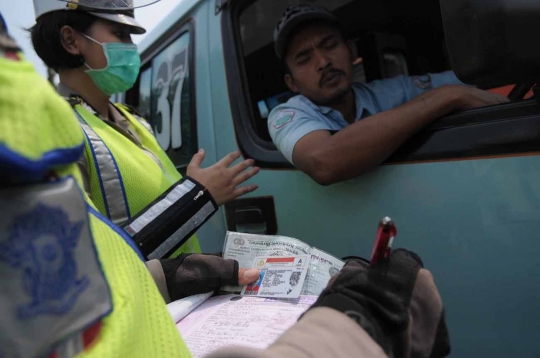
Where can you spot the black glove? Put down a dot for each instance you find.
(396, 302)
(191, 274)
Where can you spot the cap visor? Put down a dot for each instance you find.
(110, 5)
(136, 28)
(293, 24)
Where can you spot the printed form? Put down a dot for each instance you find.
(243, 321)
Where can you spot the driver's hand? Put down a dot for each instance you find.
(471, 97)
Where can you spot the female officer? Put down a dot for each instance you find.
(88, 43)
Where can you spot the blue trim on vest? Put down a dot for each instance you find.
(14, 164)
(117, 230)
(96, 164)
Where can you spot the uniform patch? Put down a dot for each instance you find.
(54, 294)
(422, 82)
(283, 118)
(46, 261)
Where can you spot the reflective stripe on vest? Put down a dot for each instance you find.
(110, 179)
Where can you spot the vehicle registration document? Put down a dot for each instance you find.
(245, 248)
(240, 320)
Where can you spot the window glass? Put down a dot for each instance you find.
(264, 71)
(165, 100)
(257, 22)
(144, 93)
(406, 38)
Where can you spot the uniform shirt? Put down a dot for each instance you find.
(291, 121)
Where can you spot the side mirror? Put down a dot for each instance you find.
(492, 42)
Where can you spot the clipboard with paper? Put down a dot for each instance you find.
(208, 323)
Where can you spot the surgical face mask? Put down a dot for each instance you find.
(122, 70)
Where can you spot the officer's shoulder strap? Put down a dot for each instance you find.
(132, 110)
(135, 113)
(73, 101)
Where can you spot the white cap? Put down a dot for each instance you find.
(120, 11)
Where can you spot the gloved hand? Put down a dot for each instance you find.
(191, 274)
(396, 302)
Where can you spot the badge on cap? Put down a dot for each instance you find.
(73, 4)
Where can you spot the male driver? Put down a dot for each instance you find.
(370, 121)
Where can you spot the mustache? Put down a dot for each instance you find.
(329, 73)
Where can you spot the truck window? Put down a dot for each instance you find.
(406, 38)
(166, 99)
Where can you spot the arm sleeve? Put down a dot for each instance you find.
(288, 125)
(393, 92)
(322, 332)
(164, 225)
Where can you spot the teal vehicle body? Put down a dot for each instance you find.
(464, 193)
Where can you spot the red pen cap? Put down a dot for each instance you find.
(384, 240)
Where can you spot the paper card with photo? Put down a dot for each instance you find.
(281, 277)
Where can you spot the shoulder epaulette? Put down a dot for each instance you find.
(73, 101)
(130, 109)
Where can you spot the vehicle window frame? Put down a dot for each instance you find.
(504, 130)
(252, 146)
(266, 154)
(162, 44)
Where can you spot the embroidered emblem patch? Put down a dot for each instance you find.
(45, 260)
(423, 82)
(283, 118)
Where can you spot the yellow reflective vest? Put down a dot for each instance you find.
(40, 136)
(125, 177)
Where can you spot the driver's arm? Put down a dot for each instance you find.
(389, 93)
(364, 145)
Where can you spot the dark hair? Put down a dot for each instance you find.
(341, 30)
(48, 43)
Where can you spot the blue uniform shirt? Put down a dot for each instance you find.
(291, 121)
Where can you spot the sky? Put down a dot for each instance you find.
(19, 15)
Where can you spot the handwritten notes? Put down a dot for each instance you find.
(243, 321)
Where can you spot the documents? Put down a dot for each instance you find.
(245, 248)
(280, 276)
(240, 320)
(289, 267)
